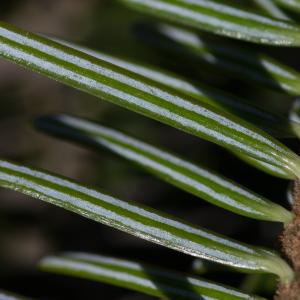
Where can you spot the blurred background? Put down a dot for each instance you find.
(30, 229)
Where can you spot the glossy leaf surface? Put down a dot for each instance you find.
(295, 116)
(272, 123)
(9, 296)
(140, 277)
(251, 66)
(265, 167)
(222, 18)
(293, 5)
(141, 221)
(186, 175)
(270, 8)
(142, 95)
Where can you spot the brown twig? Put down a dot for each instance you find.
(290, 240)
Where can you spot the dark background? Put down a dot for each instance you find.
(30, 229)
